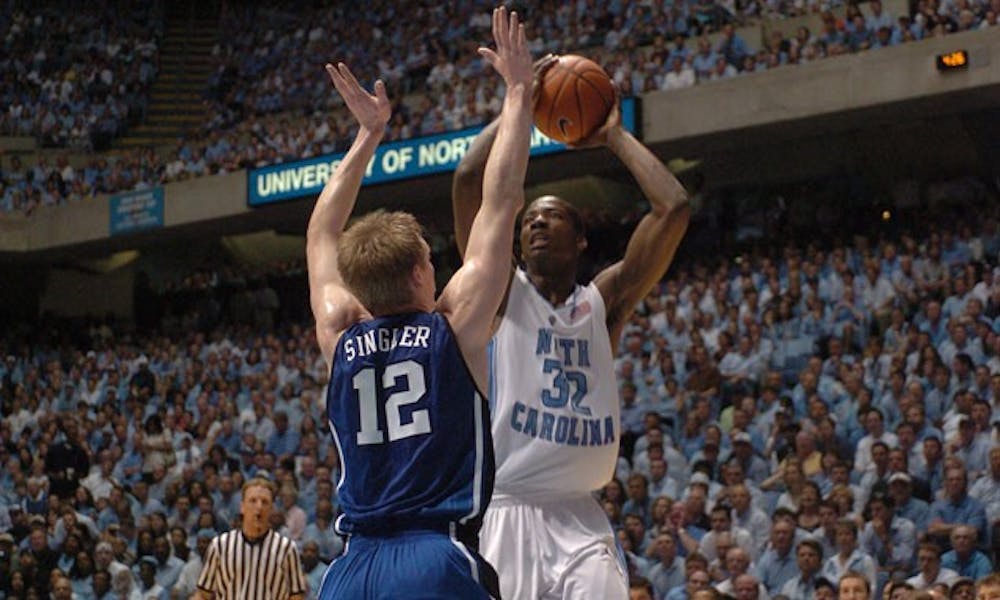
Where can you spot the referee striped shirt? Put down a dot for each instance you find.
(237, 568)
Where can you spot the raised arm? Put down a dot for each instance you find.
(472, 297)
(333, 306)
(467, 185)
(658, 234)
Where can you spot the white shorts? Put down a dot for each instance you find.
(558, 549)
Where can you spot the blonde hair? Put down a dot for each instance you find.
(259, 482)
(375, 257)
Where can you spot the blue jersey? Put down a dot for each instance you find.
(411, 427)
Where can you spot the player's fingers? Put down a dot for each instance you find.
(380, 92)
(348, 76)
(490, 56)
(502, 27)
(522, 42)
(496, 25)
(544, 63)
(332, 72)
(512, 30)
(338, 81)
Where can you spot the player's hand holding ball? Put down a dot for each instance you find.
(576, 103)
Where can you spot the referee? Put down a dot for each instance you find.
(252, 562)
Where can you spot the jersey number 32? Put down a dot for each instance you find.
(415, 386)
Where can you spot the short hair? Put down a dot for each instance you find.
(637, 477)
(696, 557)
(641, 583)
(849, 525)
(575, 218)
(993, 579)
(783, 513)
(260, 482)
(812, 544)
(376, 255)
(855, 575)
(931, 546)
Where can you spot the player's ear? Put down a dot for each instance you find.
(417, 275)
(581, 243)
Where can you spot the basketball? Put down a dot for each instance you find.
(574, 99)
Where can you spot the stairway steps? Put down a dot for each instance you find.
(135, 141)
(186, 62)
(175, 120)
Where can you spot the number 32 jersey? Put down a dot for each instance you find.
(553, 394)
(411, 427)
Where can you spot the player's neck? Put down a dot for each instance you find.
(554, 288)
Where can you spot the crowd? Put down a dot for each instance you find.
(795, 412)
(268, 102)
(76, 79)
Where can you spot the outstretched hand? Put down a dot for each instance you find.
(511, 59)
(600, 137)
(371, 111)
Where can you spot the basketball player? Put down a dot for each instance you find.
(403, 400)
(553, 392)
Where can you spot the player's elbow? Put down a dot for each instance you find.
(468, 175)
(679, 209)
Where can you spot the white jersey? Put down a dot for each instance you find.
(553, 394)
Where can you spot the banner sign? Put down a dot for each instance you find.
(393, 161)
(136, 211)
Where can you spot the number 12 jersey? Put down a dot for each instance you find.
(411, 427)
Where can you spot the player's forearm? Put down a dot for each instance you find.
(503, 179)
(467, 185)
(336, 201)
(664, 191)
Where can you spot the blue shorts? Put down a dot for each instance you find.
(413, 564)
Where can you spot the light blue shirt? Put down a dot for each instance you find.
(987, 491)
(977, 566)
(917, 511)
(902, 538)
(774, 570)
(666, 578)
(799, 588)
(315, 579)
(975, 456)
(857, 561)
(967, 511)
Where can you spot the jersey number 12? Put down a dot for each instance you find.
(415, 388)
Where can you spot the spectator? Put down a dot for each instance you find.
(777, 565)
(956, 507)
(930, 571)
(722, 522)
(963, 558)
(312, 566)
(849, 557)
(809, 559)
(679, 76)
(669, 570)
